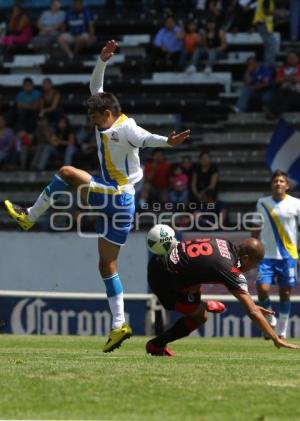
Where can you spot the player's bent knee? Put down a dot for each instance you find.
(66, 172)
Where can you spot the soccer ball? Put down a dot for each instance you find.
(161, 239)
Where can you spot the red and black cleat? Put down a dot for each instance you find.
(215, 306)
(158, 352)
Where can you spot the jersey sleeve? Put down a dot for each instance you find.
(235, 280)
(97, 78)
(138, 137)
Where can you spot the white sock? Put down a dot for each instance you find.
(42, 204)
(283, 322)
(271, 319)
(116, 305)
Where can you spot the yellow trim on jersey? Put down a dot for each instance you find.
(104, 190)
(113, 172)
(120, 120)
(290, 247)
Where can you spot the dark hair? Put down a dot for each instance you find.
(158, 150)
(104, 101)
(204, 152)
(251, 58)
(27, 79)
(279, 173)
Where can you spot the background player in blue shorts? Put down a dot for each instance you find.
(112, 190)
(281, 216)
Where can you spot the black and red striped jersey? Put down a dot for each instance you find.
(205, 261)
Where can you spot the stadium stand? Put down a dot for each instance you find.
(158, 100)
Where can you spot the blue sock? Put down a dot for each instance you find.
(43, 202)
(265, 303)
(284, 307)
(57, 184)
(113, 285)
(114, 291)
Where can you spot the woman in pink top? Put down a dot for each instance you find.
(20, 32)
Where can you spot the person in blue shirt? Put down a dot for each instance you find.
(27, 106)
(258, 83)
(168, 44)
(79, 28)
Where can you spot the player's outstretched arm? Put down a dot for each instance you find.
(176, 139)
(108, 50)
(255, 313)
(97, 78)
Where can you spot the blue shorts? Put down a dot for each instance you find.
(283, 272)
(114, 210)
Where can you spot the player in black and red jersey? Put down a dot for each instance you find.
(176, 279)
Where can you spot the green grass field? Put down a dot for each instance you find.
(209, 379)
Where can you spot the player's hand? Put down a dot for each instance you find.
(266, 312)
(108, 51)
(282, 343)
(176, 139)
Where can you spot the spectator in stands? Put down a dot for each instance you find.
(50, 24)
(295, 20)
(79, 28)
(200, 12)
(179, 191)
(3, 24)
(156, 175)
(168, 44)
(59, 143)
(51, 106)
(205, 177)
(215, 44)
(19, 29)
(28, 103)
(288, 80)
(25, 148)
(43, 145)
(87, 144)
(7, 143)
(191, 48)
(257, 84)
(264, 23)
(222, 12)
(187, 167)
(212, 213)
(64, 140)
(243, 21)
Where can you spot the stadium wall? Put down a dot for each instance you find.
(42, 313)
(65, 262)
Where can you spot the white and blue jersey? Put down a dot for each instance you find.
(279, 237)
(120, 170)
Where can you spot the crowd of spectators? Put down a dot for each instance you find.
(276, 91)
(187, 188)
(36, 131)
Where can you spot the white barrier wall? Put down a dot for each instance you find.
(65, 262)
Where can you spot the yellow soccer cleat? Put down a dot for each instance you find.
(116, 337)
(19, 214)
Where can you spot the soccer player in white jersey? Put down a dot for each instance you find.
(118, 139)
(281, 217)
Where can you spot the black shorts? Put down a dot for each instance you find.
(163, 285)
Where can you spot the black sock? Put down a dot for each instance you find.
(183, 327)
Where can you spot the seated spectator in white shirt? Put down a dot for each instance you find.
(79, 30)
(50, 25)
